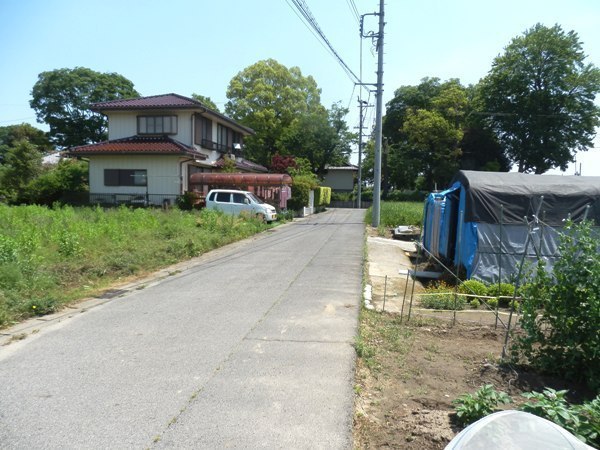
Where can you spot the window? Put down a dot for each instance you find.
(237, 138)
(222, 137)
(125, 177)
(203, 133)
(157, 124)
(238, 198)
(223, 197)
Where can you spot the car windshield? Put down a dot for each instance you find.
(254, 198)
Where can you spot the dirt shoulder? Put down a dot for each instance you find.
(409, 371)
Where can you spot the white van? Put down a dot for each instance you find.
(234, 202)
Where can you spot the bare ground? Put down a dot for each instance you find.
(408, 372)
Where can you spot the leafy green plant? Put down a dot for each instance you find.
(473, 287)
(589, 421)
(474, 303)
(442, 296)
(503, 291)
(492, 302)
(552, 405)
(561, 314)
(472, 407)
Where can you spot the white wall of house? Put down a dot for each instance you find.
(124, 124)
(163, 173)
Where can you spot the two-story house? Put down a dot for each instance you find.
(155, 144)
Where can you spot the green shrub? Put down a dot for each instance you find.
(474, 303)
(561, 314)
(442, 297)
(492, 302)
(342, 196)
(472, 407)
(406, 196)
(501, 290)
(301, 187)
(473, 287)
(322, 196)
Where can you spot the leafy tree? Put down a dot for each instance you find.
(539, 99)
(9, 135)
(206, 101)
(268, 97)
(66, 182)
(22, 164)
(282, 164)
(322, 137)
(436, 140)
(61, 98)
(423, 130)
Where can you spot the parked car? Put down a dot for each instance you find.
(234, 202)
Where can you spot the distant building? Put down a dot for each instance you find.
(340, 178)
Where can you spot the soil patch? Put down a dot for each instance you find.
(409, 373)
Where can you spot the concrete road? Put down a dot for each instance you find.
(251, 348)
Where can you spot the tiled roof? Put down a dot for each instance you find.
(165, 101)
(244, 164)
(154, 101)
(159, 145)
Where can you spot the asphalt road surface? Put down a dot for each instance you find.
(251, 348)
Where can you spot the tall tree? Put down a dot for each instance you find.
(539, 99)
(423, 129)
(268, 97)
(206, 101)
(322, 137)
(436, 140)
(61, 98)
(11, 134)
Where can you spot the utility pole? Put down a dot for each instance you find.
(361, 104)
(378, 112)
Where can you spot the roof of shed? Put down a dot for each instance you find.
(521, 195)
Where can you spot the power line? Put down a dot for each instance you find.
(310, 20)
(353, 9)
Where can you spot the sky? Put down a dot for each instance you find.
(198, 46)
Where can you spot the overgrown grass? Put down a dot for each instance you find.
(49, 257)
(378, 334)
(393, 214)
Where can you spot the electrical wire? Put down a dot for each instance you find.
(353, 10)
(309, 20)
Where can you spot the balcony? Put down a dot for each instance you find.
(212, 145)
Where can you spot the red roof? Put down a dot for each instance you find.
(159, 145)
(154, 101)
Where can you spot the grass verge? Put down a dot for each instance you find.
(393, 214)
(52, 256)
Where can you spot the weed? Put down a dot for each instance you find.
(474, 303)
(472, 407)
